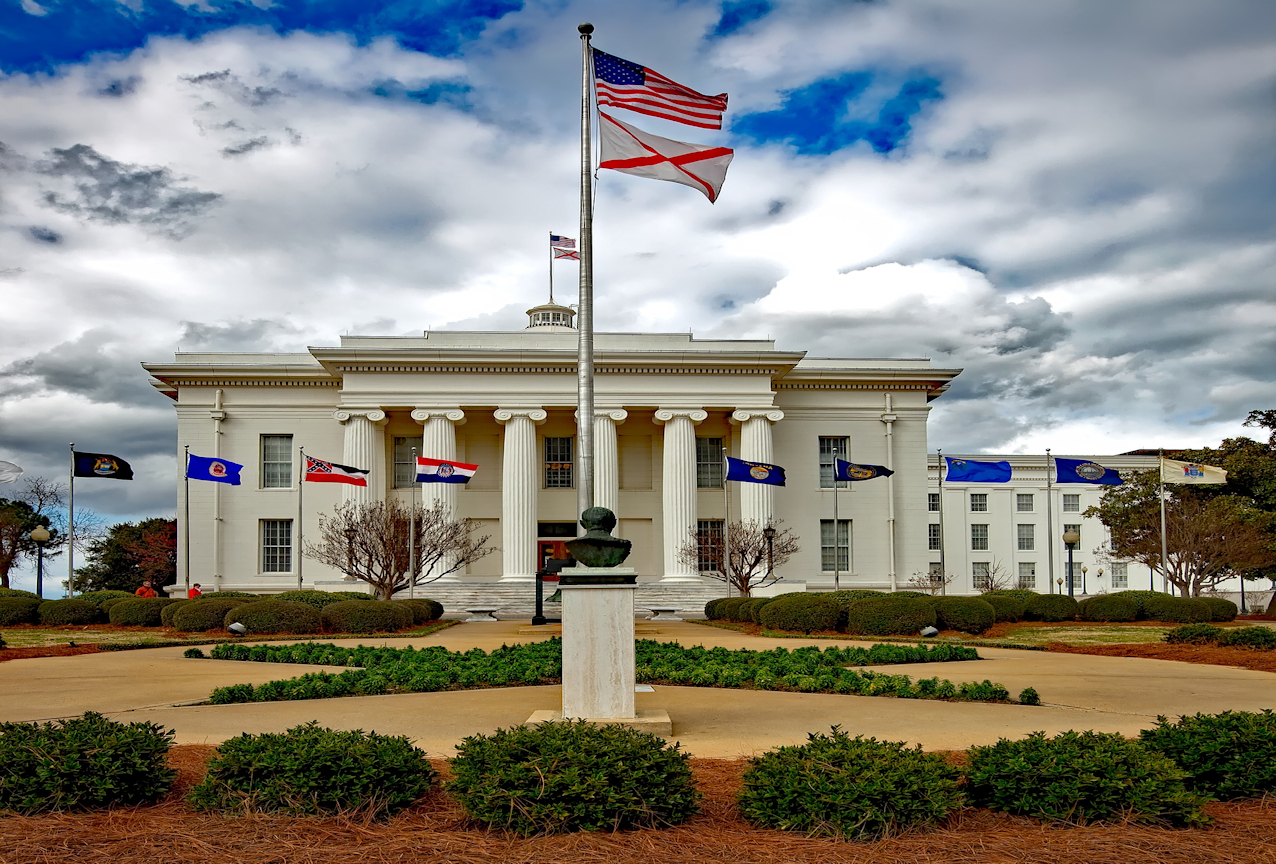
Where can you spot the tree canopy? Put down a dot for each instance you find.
(130, 554)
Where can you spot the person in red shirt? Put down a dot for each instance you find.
(146, 590)
(194, 592)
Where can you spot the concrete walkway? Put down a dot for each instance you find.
(1109, 694)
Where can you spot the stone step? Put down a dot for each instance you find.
(520, 599)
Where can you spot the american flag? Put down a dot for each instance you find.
(627, 85)
(563, 247)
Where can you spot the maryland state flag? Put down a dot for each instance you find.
(102, 465)
(754, 472)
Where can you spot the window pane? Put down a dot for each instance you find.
(933, 538)
(978, 502)
(1027, 575)
(709, 463)
(838, 558)
(830, 449)
(980, 578)
(558, 463)
(1120, 574)
(709, 538)
(276, 545)
(1027, 538)
(932, 502)
(1076, 528)
(979, 537)
(1071, 503)
(276, 461)
(404, 468)
(1023, 503)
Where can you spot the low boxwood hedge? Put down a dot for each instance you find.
(69, 611)
(87, 762)
(1220, 609)
(97, 598)
(17, 592)
(203, 613)
(1183, 610)
(139, 612)
(851, 788)
(728, 609)
(422, 610)
(1050, 607)
(1009, 609)
(801, 613)
(1023, 595)
(1107, 607)
(106, 604)
(967, 614)
(356, 616)
(170, 609)
(711, 608)
(750, 611)
(882, 616)
(552, 778)
(1140, 599)
(1248, 637)
(275, 616)
(313, 770)
(1228, 756)
(19, 610)
(1194, 634)
(221, 595)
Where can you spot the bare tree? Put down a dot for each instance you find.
(999, 578)
(39, 502)
(751, 563)
(932, 583)
(372, 543)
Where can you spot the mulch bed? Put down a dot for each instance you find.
(46, 651)
(436, 831)
(1246, 658)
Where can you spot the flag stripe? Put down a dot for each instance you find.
(697, 154)
(627, 85)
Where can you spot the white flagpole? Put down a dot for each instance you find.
(1050, 522)
(551, 267)
(70, 531)
(585, 311)
(943, 563)
(186, 517)
(412, 518)
(301, 513)
(726, 521)
(1165, 554)
(837, 562)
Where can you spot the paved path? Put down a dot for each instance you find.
(1110, 694)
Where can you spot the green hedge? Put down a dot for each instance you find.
(1079, 778)
(70, 611)
(1249, 637)
(1230, 755)
(1141, 599)
(106, 604)
(19, 610)
(1183, 610)
(357, 616)
(1023, 595)
(1050, 607)
(221, 595)
(852, 788)
(1220, 609)
(1194, 634)
(140, 611)
(552, 778)
(967, 614)
(891, 614)
(801, 613)
(312, 770)
(711, 609)
(728, 609)
(85, 763)
(170, 609)
(97, 598)
(423, 610)
(919, 595)
(204, 613)
(1107, 607)
(750, 612)
(17, 592)
(275, 616)
(1008, 609)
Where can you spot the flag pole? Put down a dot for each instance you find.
(70, 530)
(726, 521)
(551, 268)
(837, 562)
(943, 563)
(301, 523)
(412, 508)
(1165, 555)
(585, 310)
(1050, 524)
(186, 517)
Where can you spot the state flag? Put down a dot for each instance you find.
(563, 247)
(972, 471)
(1084, 471)
(101, 465)
(9, 472)
(1174, 471)
(443, 471)
(632, 151)
(754, 472)
(216, 470)
(319, 471)
(851, 471)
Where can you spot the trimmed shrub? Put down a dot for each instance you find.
(1107, 607)
(1079, 778)
(19, 610)
(274, 616)
(355, 616)
(87, 762)
(1029, 696)
(1194, 634)
(1228, 756)
(1220, 609)
(17, 592)
(193, 653)
(1050, 607)
(891, 614)
(313, 770)
(1248, 637)
(201, 614)
(97, 598)
(801, 612)
(1023, 595)
(967, 614)
(222, 595)
(169, 610)
(422, 610)
(1183, 610)
(729, 608)
(552, 778)
(922, 595)
(711, 609)
(317, 599)
(846, 598)
(106, 604)
(69, 611)
(1140, 599)
(750, 611)
(140, 611)
(1008, 609)
(852, 788)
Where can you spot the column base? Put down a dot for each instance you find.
(516, 577)
(656, 721)
(680, 579)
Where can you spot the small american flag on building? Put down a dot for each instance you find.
(563, 247)
(628, 85)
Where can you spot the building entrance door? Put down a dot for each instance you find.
(547, 549)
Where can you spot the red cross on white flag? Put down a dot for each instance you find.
(633, 151)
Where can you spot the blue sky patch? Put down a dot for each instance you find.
(72, 30)
(828, 115)
(737, 14)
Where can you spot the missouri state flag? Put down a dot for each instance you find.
(443, 471)
(1084, 471)
(972, 471)
(851, 471)
(319, 471)
(216, 470)
(754, 472)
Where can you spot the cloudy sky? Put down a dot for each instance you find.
(1071, 200)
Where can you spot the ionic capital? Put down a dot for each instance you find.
(375, 415)
(504, 415)
(617, 415)
(695, 415)
(744, 415)
(424, 415)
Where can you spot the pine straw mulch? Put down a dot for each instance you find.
(47, 651)
(1246, 658)
(435, 831)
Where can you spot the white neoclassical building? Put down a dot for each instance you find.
(667, 405)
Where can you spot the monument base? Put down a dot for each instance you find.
(655, 721)
(598, 643)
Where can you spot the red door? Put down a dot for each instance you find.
(551, 549)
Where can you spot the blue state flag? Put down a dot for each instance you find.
(971, 471)
(754, 472)
(851, 471)
(217, 470)
(1084, 471)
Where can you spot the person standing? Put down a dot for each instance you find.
(194, 592)
(145, 590)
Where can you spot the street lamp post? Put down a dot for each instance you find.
(1059, 582)
(1071, 539)
(1084, 570)
(1099, 576)
(769, 533)
(41, 536)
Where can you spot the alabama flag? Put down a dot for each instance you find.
(630, 150)
(443, 471)
(319, 471)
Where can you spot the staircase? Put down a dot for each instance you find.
(519, 600)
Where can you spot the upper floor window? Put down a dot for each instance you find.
(932, 502)
(1071, 503)
(276, 461)
(1027, 536)
(831, 448)
(979, 537)
(933, 536)
(404, 464)
(978, 502)
(1023, 503)
(558, 463)
(709, 463)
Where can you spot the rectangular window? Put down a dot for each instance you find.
(276, 461)
(558, 463)
(1027, 575)
(978, 502)
(932, 502)
(709, 541)
(1023, 503)
(404, 467)
(1073, 575)
(1076, 528)
(934, 536)
(835, 556)
(934, 571)
(1027, 535)
(830, 449)
(276, 545)
(1120, 575)
(708, 463)
(979, 538)
(980, 575)
(1071, 503)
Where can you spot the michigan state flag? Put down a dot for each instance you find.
(754, 472)
(1084, 471)
(102, 465)
(851, 471)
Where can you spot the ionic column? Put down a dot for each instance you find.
(607, 457)
(363, 438)
(679, 487)
(438, 441)
(518, 492)
(757, 500)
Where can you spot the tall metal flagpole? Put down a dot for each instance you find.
(585, 312)
(412, 522)
(726, 521)
(1050, 524)
(1165, 552)
(301, 513)
(70, 530)
(551, 267)
(186, 517)
(837, 561)
(943, 563)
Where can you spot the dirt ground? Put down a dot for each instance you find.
(1245, 658)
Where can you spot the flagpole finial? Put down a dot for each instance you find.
(585, 29)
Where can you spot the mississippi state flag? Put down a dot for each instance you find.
(443, 471)
(319, 471)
